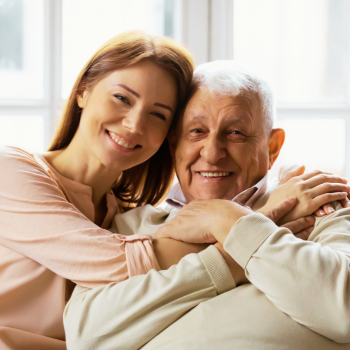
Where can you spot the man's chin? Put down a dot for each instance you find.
(212, 195)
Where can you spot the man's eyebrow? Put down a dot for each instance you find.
(128, 89)
(198, 117)
(163, 106)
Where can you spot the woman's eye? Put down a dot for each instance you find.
(236, 132)
(122, 98)
(159, 115)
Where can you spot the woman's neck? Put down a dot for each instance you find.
(78, 164)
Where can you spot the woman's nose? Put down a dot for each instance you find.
(134, 122)
(213, 150)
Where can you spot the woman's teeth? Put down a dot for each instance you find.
(120, 141)
(225, 173)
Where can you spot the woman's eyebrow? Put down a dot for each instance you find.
(163, 106)
(128, 89)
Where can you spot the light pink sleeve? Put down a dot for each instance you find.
(140, 255)
(37, 221)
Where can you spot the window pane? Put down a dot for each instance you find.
(316, 142)
(24, 131)
(87, 25)
(21, 49)
(298, 46)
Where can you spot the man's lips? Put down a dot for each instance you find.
(214, 174)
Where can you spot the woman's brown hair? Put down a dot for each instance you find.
(149, 182)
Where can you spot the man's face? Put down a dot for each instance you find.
(221, 146)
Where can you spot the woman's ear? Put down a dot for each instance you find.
(276, 140)
(82, 98)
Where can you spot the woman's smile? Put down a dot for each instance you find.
(123, 140)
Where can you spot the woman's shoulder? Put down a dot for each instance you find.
(17, 163)
(12, 155)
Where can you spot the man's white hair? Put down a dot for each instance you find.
(225, 78)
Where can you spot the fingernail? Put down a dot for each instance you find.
(331, 210)
(322, 212)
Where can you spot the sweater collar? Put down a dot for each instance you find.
(176, 198)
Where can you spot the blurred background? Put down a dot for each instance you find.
(301, 47)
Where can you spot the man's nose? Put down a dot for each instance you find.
(213, 150)
(134, 121)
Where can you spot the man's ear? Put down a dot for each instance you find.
(172, 141)
(276, 140)
(82, 98)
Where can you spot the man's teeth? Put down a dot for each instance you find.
(225, 173)
(120, 141)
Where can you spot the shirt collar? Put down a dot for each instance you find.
(176, 198)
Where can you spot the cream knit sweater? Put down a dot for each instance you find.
(299, 296)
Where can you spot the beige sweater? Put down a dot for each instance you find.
(298, 298)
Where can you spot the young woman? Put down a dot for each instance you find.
(109, 154)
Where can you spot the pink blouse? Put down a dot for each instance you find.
(47, 240)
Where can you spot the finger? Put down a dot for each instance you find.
(328, 188)
(304, 235)
(297, 172)
(324, 178)
(319, 212)
(301, 224)
(345, 202)
(328, 209)
(313, 173)
(281, 210)
(327, 198)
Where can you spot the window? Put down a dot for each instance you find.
(301, 49)
(43, 46)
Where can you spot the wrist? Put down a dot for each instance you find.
(224, 228)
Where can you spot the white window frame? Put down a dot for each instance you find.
(50, 106)
(207, 31)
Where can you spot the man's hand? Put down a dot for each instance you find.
(204, 221)
(301, 227)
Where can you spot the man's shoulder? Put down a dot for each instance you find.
(145, 219)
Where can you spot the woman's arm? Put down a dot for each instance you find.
(37, 221)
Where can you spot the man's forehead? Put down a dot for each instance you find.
(203, 105)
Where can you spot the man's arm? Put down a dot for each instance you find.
(127, 315)
(307, 280)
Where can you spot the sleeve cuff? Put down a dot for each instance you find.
(140, 257)
(217, 269)
(247, 235)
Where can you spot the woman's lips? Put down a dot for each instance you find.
(122, 141)
(122, 144)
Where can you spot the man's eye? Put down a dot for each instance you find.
(196, 131)
(236, 132)
(122, 98)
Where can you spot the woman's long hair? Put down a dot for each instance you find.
(149, 182)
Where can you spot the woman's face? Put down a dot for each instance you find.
(126, 116)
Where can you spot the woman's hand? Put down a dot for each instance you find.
(325, 209)
(312, 191)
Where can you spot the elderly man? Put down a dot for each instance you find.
(299, 291)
